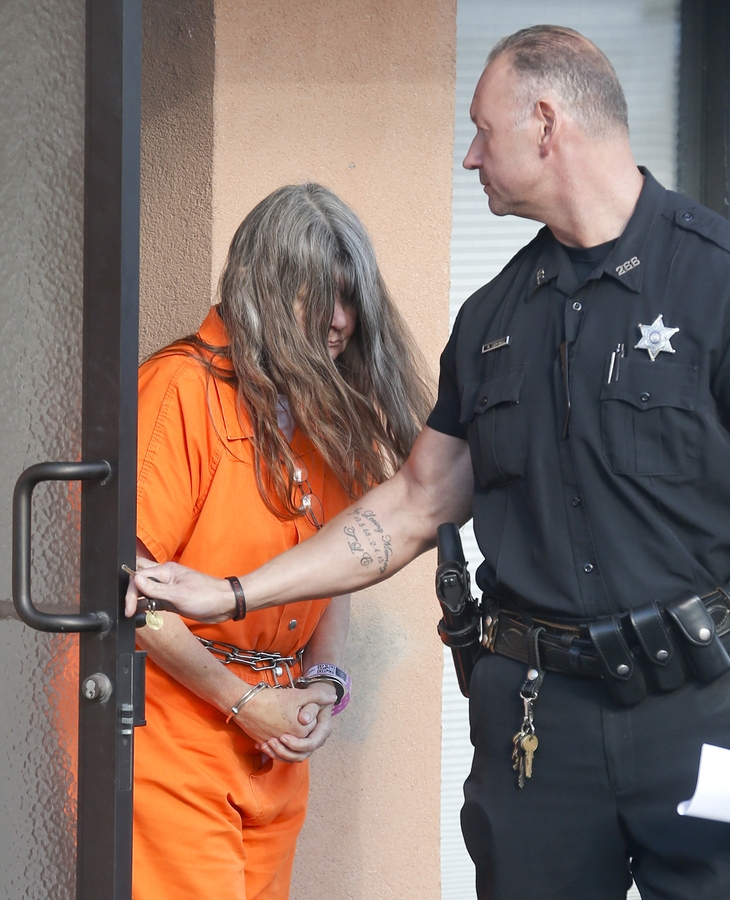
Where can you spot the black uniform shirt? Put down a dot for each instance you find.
(625, 496)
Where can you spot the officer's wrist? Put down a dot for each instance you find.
(239, 599)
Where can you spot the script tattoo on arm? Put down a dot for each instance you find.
(367, 540)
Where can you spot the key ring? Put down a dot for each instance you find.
(153, 619)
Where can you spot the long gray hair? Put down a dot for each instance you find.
(303, 248)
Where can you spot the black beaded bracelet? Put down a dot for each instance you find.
(240, 598)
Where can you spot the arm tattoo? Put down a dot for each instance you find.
(367, 539)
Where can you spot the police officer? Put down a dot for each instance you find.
(583, 419)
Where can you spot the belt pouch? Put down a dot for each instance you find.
(663, 662)
(718, 606)
(703, 650)
(623, 677)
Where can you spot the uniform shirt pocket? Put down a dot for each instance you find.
(493, 414)
(649, 424)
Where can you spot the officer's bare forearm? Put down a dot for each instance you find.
(377, 536)
(361, 547)
(370, 541)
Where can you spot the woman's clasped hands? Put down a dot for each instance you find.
(289, 724)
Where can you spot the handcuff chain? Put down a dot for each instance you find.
(259, 661)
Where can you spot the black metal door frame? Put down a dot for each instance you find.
(109, 420)
(110, 671)
(704, 103)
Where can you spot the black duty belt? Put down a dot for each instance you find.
(651, 648)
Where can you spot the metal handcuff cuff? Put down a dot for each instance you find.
(335, 676)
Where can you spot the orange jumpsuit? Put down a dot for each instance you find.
(212, 816)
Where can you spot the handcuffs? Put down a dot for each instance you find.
(335, 676)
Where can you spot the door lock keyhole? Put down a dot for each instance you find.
(97, 687)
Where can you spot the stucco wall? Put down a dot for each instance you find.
(178, 75)
(357, 94)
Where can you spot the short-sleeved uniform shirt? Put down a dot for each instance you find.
(600, 486)
(197, 500)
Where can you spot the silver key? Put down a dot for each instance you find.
(517, 749)
(518, 758)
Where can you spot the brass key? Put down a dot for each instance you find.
(528, 745)
(153, 620)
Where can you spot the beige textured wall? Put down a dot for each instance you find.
(178, 74)
(357, 94)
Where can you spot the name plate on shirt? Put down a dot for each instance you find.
(495, 345)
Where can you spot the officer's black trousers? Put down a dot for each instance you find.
(602, 803)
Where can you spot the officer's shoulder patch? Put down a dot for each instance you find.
(706, 223)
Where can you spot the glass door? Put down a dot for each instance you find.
(69, 170)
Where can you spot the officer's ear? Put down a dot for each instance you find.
(549, 120)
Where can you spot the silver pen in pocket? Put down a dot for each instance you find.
(614, 368)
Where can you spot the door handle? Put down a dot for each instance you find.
(22, 501)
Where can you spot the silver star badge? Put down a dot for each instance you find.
(655, 338)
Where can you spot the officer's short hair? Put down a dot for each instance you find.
(561, 59)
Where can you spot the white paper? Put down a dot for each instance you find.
(711, 798)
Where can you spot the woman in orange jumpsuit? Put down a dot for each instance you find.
(299, 390)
